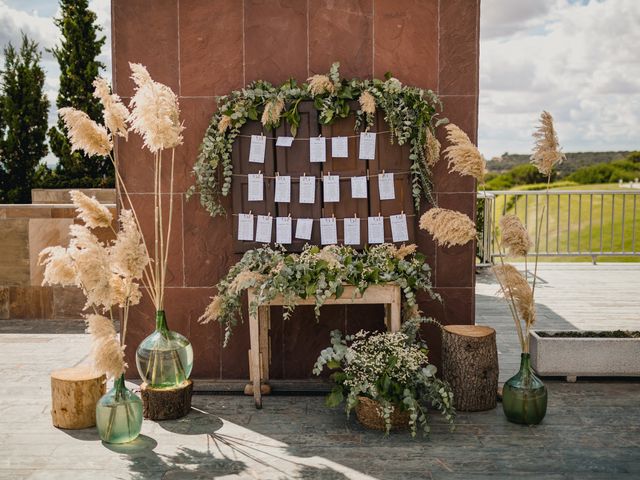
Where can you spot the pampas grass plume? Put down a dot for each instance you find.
(319, 84)
(547, 152)
(448, 227)
(155, 113)
(514, 285)
(59, 267)
(367, 102)
(213, 310)
(90, 210)
(84, 133)
(272, 110)
(462, 155)
(115, 113)
(515, 237)
(107, 353)
(433, 149)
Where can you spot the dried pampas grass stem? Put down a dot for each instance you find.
(84, 133)
(108, 354)
(515, 237)
(546, 152)
(462, 155)
(448, 227)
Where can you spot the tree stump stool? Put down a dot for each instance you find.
(166, 403)
(74, 394)
(470, 365)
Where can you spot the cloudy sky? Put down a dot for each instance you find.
(579, 59)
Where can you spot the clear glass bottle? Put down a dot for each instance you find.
(165, 358)
(524, 396)
(119, 414)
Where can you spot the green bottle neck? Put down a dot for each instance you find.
(161, 321)
(119, 385)
(525, 361)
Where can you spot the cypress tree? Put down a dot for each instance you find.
(23, 121)
(77, 56)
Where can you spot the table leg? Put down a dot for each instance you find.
(254, 332)
(395, 311)
(265, 342)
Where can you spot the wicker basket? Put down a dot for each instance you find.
(369, 413)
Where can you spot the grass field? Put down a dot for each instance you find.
(580, 223)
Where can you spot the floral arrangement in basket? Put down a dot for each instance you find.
(411, 113)
(387, 378)
(318, 273)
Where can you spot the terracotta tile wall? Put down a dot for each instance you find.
(204, 48)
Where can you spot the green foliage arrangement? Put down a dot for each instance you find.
(77, 57)
(317, 273)
(391, 368)
(625, 170)
(410, 112)
(23, 121)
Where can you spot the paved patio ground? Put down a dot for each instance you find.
(592, 429)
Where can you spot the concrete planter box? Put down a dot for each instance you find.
(573, 357)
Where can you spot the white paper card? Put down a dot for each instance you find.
(317, 149)
(284, 141)
(303, 228)
(367, 146)
(352, 231)
(245, 227)
(399, 232)
(386, 186)
(359, 187)
(283, 189)
(283, 230)
(263, 229)
(328, 231)
(257, 149)
(339, 147)
(307, 189)
(256, 187)
(331, 184)
(376, 229)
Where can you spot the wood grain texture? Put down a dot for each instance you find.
(74, 394)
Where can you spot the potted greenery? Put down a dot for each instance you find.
(387, 378)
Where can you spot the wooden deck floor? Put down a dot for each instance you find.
(592, 429)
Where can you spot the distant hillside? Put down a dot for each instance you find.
(573, 162)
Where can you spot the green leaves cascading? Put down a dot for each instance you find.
(409, 111)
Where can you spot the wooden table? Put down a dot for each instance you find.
(259, 323)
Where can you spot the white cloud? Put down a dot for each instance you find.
(577, 60)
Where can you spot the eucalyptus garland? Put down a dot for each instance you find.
(410, 112)
(319, 274)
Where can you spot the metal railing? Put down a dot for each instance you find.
(573, 223)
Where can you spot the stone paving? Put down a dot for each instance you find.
(592, 429)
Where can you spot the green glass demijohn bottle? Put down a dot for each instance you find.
(524, 396)
(165, 358)
(119, 414)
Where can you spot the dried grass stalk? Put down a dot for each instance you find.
(319, 84)
(59, 268)
(462, 155)
(155, 113)
(432, 149)
(547, 152)
(115, 113)
(90, 210)
(107, 353)
(367, 102)
(448, 227)
(128, 253)
(405, 250)
(85, 134)
(515, 237)
(212, 311)
(516, 286)
(272, 110)
(224, 123)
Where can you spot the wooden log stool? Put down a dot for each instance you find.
(470, 365)
(74, 394)
(166, 403)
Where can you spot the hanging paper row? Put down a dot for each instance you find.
(317, 147)
(307, 190)
(328, 229)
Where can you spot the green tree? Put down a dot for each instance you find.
(77, 56)
(23, 121)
